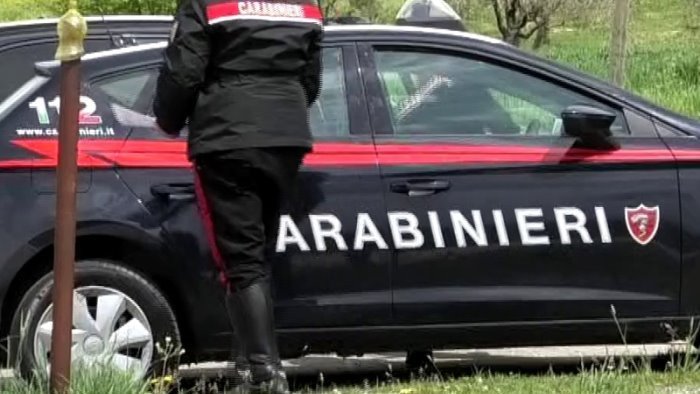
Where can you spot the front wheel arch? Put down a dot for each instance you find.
(145, 258)
(113, 277)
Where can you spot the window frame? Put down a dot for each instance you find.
(381, 110)
(358, 118)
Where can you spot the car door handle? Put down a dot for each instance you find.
(174, 191)
(420, 188)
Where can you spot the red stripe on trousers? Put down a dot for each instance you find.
(205, 213)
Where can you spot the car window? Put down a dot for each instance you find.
(18, 60)
(328, 116)
(128, 89)
(444, 94)
(19, 63)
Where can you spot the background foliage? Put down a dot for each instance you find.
(664, 55)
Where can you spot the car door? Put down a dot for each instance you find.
(321, 278)
(495, 215)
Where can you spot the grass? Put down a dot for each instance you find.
(619, 375)
(664, 55)
(614, 376)
(663, 65)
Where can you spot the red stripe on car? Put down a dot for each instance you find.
(173, 154)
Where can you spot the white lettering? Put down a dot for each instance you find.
(320, 234)
(268, 9)
(603, 226)
(501, 227)
(411, 227)
(367, 232)
(477, 232)
(436, 229)
(525, 227)
(565, 228)
(290, 234)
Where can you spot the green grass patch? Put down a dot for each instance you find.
(96, 380)
(586, 383)
(12, 10)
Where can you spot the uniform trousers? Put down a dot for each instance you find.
(240, 194)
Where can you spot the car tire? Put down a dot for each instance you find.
(143, 303)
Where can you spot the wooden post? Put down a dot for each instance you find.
(619, 41)
(71, 29)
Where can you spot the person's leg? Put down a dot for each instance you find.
(232, 190)
(280, 168)
(275, 176)
(233, 212)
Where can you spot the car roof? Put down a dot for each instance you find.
(332, 29)
(358, 32)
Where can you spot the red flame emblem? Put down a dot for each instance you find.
(642, 223)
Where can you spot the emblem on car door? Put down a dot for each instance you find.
(642, 223)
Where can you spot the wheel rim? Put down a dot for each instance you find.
(109, 328)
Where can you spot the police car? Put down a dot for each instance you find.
(461, 192)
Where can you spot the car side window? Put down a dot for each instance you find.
(329, 116)
(432, 93)
(133, 90)
(130, 89)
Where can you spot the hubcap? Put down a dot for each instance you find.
(108, 328)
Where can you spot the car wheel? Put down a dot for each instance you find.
(119, 317)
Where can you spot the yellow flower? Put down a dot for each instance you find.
(164, 380)
(407, 391)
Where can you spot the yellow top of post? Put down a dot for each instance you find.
(72, 29)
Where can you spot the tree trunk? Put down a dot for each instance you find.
(542, 37)
(619, 41)
(513, 38)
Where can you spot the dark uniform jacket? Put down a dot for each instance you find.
(241, 74)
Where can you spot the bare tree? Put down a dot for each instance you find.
(462, 7)
(369, 9)
(574, 12)
(330, 8)
(518, 20)
(693, 15)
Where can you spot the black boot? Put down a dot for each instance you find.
(240, 379)
(251, 311)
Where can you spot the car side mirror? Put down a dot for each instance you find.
(590, 126)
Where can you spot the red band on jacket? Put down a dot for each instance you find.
(263, 10)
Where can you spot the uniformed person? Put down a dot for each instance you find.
(242, 76)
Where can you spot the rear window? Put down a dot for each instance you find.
(17, 65)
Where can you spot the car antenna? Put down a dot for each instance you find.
(112, 38)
